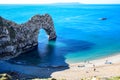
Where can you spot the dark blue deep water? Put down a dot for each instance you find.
(81, 35)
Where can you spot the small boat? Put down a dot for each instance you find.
(102, 18)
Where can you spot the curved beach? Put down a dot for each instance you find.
(81, 36)
(105, 67)
(101, 68)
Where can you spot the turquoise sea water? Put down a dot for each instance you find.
(81, 35)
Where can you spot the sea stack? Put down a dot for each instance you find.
(20, 38)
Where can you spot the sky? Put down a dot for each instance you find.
(59, 1)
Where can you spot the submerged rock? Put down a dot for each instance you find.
(19, 38)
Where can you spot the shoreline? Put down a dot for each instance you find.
(101, 61)
(74, 71)
(104, 67)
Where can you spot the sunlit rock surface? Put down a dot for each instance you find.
(19, 38)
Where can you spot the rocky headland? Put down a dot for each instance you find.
(20, 38)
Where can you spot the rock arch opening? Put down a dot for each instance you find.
(42, 41)
(42, 36)
(26, 35)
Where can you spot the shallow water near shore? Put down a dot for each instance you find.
(81, 36)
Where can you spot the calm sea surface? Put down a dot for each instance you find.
(81, 35)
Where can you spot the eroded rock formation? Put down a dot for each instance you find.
(19, 38)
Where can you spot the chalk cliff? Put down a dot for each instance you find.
(19, 38)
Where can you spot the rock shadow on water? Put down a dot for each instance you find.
(42, 62)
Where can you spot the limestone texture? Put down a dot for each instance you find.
(20, 38)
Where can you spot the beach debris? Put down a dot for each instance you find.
(81, 65)
(88, 62)
(87, 72)
(108, 62)
(94, 69)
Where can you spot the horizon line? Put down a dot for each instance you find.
(56, 3)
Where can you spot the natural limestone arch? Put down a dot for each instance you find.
(19, 38)
(42, 21)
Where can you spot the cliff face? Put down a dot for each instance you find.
(19, 38)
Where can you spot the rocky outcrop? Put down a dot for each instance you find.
(5, 77)
(19, 38)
